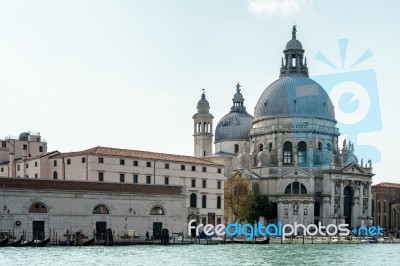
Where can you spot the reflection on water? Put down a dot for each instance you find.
(238, 254)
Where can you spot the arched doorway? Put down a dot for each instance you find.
(347, 204)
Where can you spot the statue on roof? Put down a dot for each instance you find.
(294, 32)
(238, 86)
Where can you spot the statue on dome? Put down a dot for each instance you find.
(294, 32)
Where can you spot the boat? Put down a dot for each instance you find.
(16, 243)
(263, 241)
(41, 243)
(26, 243)
(88, 243)
(4, 242)
(69, 243)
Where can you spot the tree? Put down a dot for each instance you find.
(261, 206)
(238, 197)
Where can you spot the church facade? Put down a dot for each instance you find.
(290, 149)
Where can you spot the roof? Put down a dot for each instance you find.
(37, 184)
(234, 126)
(387, 184)
(138, 154)
(38, 156)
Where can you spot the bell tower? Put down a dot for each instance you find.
(203, 128)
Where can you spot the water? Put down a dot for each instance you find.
(238, 254)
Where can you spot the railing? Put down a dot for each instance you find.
(296, 126)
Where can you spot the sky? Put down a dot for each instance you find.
(128, 74)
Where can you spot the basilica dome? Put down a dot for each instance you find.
(293, 96)
(235, 125)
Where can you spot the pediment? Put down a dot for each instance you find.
(353, 168)
(296, 173)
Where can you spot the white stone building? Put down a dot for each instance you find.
(290, 150)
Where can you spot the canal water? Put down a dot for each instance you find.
(238, 254)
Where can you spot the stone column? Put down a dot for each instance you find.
(332, 205)
(361, 188)
(341, 209)
(369, 202)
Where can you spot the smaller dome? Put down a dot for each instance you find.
(294, 44)
(23, 136)
(202, 105)
(234, 126)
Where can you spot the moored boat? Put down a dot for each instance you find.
(4, 242)
(41, 243)
(88, 243)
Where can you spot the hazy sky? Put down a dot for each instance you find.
(128, 74)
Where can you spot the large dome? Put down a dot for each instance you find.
(234, 126)
(294, 96)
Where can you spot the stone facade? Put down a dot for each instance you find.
(386, 205)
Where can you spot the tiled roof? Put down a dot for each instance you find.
(37, 156)
(387, 184)
(63, 185)
(139, 154)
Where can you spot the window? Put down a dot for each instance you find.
(261, 147)
(148, 179)
(166, 180)
(204, 169)
(40, 148)
(37, 208)
(135, 163)
(204, 183)
(204, 201)
(193, 200)
(83, 159)
(68, 161)
(100, 209)
(236, 148)
(167, 166)
(148, 164)
(101, 160)
(193, 182)
(122, 178)
(157, 211)
(183, 168)
(3, 144)
(27, 176)
(35, 164)
(218, 184)
(18, 167)
(27, 165)
(135, 179)
(293, 61)
(219, 170)
(219, 202)
(2, 169)
(219, 221)
(101, 176)
(193, 168)
(24, 147)
(55, 163)
(122, 162)
(36, 175)
(287, 152)
(55, 175)
(295, 188)
(302, 155)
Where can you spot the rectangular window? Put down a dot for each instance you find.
(27, 165)
(204, 220)
(101, 176)
(193, 168)
(218, 184)
(218, 220)
(204, 183)
(83, 159)
(166, 180)
(122, 178)
(68, 161)
(35, 164)
(219, 170)
(135, 163)
(24, 147)
(40, 148)
(148, 164)
(148, 179)
(193, 182)
(18, 167)
(287, 156)
(2, 170)
(167, 166)
(122, 162)
(3, 144)
(236, 148)
(204, 169)
(101, 160)
(55, 163)
(135, 179)
(183, 167)
(36, 176)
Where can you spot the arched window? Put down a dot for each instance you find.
(100, 209)
(204, 201)
(287, 152)
(157, 211)
(219, 202)
(319, 145)
(270, 146)
(261, 147)
(303, 189)
(193, 200)
(55, 175)
(302, 155)
(288, 189)
(37, 208)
